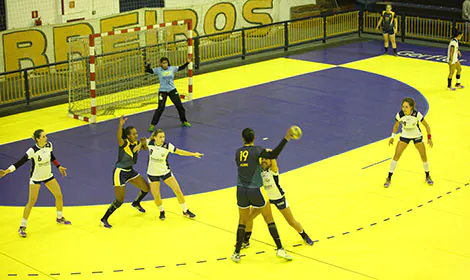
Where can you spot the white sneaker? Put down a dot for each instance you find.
(235, 257)
(282, 253)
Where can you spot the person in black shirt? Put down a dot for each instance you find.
(389, 28)
(249, 194)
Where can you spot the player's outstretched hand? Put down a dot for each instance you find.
(390, 142)
(3, 173)
(63, 171)
(198, 155)
(289, 134)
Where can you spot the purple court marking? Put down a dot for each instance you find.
(343, 54)
(338, 110)
(362, 50)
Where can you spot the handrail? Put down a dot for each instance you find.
(421, 6)
(196, 38)
(418, 15)
(34, 67)
(290, 33)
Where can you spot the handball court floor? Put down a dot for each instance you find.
(344, 98)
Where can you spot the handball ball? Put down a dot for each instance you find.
(296, 132)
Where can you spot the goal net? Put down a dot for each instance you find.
(107, 70)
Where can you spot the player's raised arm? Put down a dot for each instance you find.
(183, 66)
(275, 153)
(148, 68)
(122, 121)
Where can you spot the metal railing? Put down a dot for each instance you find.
(418, 27)
(27, 85)
(280, 35)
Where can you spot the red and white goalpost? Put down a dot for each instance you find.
(107, 69)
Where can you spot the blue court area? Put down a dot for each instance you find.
(368, 49)
(338, 109)
(343, 53)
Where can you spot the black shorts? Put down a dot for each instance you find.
(34, 182)
(164, 94)
(122, 176)
(247, 197)
(415, 140)
(281, 203)
(389, 31)
(158, 178)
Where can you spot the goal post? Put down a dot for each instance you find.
(107, 70)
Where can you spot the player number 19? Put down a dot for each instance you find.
(243, 155)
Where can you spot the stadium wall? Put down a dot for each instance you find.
(38, 45)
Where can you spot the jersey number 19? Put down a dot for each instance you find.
(243, 158)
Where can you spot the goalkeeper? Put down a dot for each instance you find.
(166, 76)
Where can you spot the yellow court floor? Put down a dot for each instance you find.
(409, 231)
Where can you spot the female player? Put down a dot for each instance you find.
(389, 28)
(453, 55)
(409, 119)
(41, 156)
(159, 169)
(124, 172)
(166, 76)
(270, 175)
(249, 194)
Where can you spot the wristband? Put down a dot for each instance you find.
(393, 135)
(56, 163)
(429, 136)
(12, 168)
